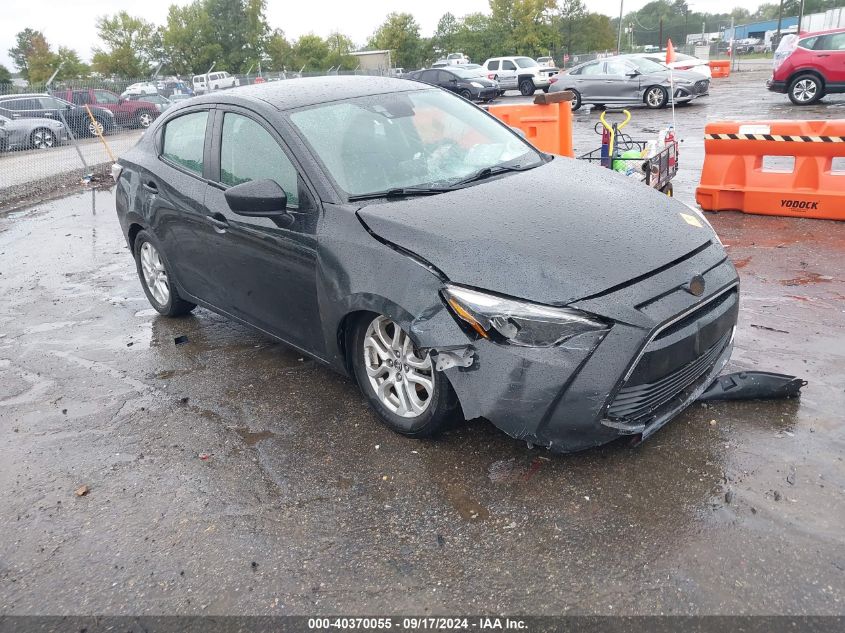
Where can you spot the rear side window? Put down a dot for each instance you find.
(184, 139)
(493, 65)
(808, 43)
(249, 152)
(596, 68)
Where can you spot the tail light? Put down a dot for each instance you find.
(491, 76)
(552, 79)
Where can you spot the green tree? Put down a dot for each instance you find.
(189, 47)
(524, 24)
(279, 51)
(5, 75)
(311, 52)
(446, 35)
(21, 52)
(132, 45)
(340, 49)
(240, 29)
(72, 66)
(400, 34)
(41, 61)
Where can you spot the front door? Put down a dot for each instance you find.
(268, 266)
(619, 86)
(508, 75)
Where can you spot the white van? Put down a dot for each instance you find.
(218, 80)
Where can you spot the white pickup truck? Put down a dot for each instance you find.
(519, 73)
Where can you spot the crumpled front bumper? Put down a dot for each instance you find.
(560, 397)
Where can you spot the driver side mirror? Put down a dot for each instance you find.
(257, 198)
(634, 73)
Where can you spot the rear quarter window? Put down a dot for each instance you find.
(184, 141)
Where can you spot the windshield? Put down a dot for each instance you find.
(399, 140)
(463, 72)
(526, 62)
(646, 65)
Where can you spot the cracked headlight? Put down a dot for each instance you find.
(518, 322)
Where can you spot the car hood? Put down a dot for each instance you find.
(554, 234)
(677, 76)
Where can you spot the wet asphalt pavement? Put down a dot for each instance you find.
(230, 475)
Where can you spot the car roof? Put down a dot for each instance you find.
(296, 93)
(24, 95)
(814, 33)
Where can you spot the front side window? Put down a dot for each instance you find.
(508, 65)
(619, 68)
(104, 96)
(184, 140)
(420, 138)
(836, 42)
(249, 152)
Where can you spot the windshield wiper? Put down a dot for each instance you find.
(488, 172)
(400, 192)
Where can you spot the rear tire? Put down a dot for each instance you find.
(156, 278)
(526, 87)
(805, 90)
(576, 100)
(400, 383)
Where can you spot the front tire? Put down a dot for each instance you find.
(42, 138)
(156, 280)
(398, 380)
(95, 127)
(526, 87)
(656, 97)
(805, 90)
(466, 94)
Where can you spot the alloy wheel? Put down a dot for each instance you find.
(401, 378)
(43, 139)
(805, 90)
(655, 97)
(145, 119)
(155, 276)
(95, 128)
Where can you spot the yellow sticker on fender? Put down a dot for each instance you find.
(691, 220)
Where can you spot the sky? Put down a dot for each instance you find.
(72, 23)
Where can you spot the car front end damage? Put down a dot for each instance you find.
(664, 339)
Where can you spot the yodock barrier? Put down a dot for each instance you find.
(547, 124)
(735, 175)
(720, 68)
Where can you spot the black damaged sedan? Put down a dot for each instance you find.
(405, 237)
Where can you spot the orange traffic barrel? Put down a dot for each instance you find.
(720, 67)
(547, 124)
(736, 175)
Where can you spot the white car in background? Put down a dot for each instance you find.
(217, 80)
(141, 88)
(519, 73)
(458, 59)
(682, 62)
(548, 62)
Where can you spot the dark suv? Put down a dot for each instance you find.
(49, 107)
(126, 112)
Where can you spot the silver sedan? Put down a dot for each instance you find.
(630, 80)
(32, 133)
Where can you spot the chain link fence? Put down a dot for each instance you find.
(67, 134)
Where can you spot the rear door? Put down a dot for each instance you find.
(110, 101)
(589, 81)
(268, 270)
(174, 194)
(829, 54)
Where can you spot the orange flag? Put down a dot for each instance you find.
(670, 52)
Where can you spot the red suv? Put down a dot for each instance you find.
(126, 112)
(810, 66)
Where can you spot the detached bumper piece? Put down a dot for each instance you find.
(754, 385)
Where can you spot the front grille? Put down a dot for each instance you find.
(701, 87)
(637, 403)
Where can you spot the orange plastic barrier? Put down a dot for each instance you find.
(547, 127)
(720, 68)
(734, 178)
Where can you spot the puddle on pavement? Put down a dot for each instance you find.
(251, 438)
(468, 508)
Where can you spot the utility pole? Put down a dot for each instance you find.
(800, 16)
(780, 18)
(660, 40)
(619, 35)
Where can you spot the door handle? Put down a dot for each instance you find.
(218, 221)
(823, 55)
(150, 186)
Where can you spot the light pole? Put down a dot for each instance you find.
(619, 35)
